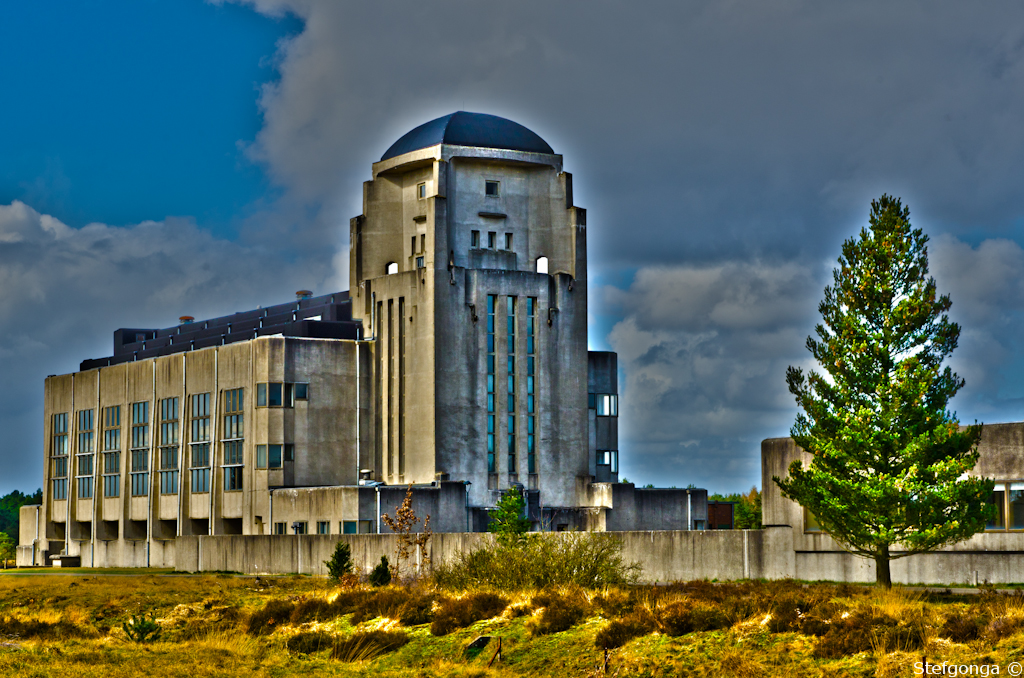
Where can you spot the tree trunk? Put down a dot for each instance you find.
(882, 576)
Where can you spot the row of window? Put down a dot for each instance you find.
(514, 420)
(492, 189)
(280, 394)
(492, 240)
(324, 527)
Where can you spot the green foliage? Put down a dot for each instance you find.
(687, 616)
(889, 460)
(507, 520)
(584, 559)
(10, 505)
(747, 512)
(8, 549)
(381, 574)
(142, 629)
(340, 562)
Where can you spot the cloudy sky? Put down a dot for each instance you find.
(164, 158)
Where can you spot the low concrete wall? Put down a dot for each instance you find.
(663, 555)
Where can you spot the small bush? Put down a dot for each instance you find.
(867, 629)
(340, 562)
(381, 574)
(364, 645)
(614, 603)
(687, 616)
(618, 632)
(963, 627)
(585, 559)
(457, 613)
(273, 614)
(411, 607)
(559, 613)
(33, 628)
(142, 629)
(310, 642)
(1004, 627)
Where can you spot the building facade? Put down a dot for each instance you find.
(457, 363)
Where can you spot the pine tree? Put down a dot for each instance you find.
(889, 460)
(507, 520)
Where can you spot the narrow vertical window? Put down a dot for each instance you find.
(199, 414)
(140, 449)
(508, 241)
(412, 248)
(510, 319)
(169, 428)
(84, 472)
(492, 239)
(233, 439)
(491, 301)
(59, 454)
(531, 439)
(474, 239)
(392, 389)
(112, 451)
(421, 191)
(401, 389)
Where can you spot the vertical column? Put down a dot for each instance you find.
(392, 465)
(491, 465)
(401, 389)
(531, 430)
(510, 344)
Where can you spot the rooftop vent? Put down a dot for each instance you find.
(185, 320)
(304, 294)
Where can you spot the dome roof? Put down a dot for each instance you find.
(469, 129)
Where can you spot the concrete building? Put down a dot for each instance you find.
(456, 363)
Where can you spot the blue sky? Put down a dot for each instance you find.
(124, 111)
(188, 157)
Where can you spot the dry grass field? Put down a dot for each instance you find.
(223, 625)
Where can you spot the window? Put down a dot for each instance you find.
(508, 241)
(261, 456)
(423, 242)
(510, 342)
(85, 454)
(491, 188)
(542, 264)
(111, 474)
(140, 449)
(607, 405)
(810, 522)
(474, 239)
(491, 301)
(59, 452)
(412, 248)
(609, 458)
(200, 414)
(531, 445)
(300, 527)
(279, 528)
(201, 467)
(112, 451)
(392, 267)
(492, 239)
(278, 394)
(301, 391)
(234, 401)
(274, 456)
(112, 428)
(421, 191)
(419, 262)
(349, 527)
(169, 446)
(323, 527)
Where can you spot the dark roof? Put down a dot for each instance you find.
(328, 316)
(470, 129)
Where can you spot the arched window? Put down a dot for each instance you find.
(542, 264)
(392, 267)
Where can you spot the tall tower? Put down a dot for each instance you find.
(468, 267)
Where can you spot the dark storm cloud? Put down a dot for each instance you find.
(723, 151)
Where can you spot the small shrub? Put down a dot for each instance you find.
(273, 614)
(867, 629)
(687, 616)
(560, 613)
(614, 603)
(381, 574)
(1004, 627)
(457, 613)
(340, 562)
(411, 607)
(142, 629)
(963, 627)
(618, 632)
(310, 642)
(364, 645)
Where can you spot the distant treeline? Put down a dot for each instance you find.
(747, 512)
(9, 506)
